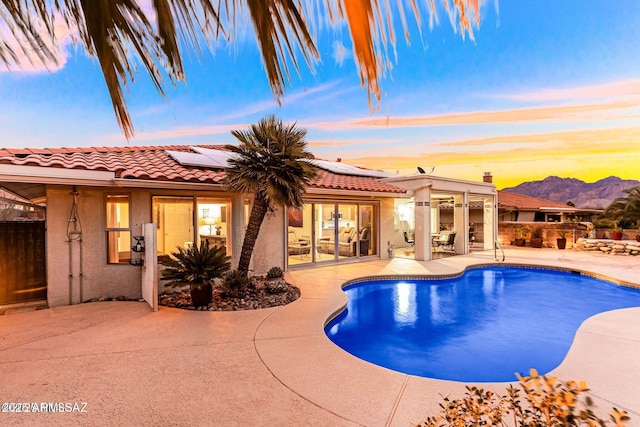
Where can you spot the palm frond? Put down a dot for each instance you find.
(120, 32)
(195, 265)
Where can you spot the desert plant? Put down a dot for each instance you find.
(275, 272)
(522, 231)
(234, 283)
(547, 402)
(536, 237)
(272, 163)
(536, 233)
(197, 267)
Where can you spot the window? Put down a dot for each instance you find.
(174, 217)
(118, 229)
(184, 221)
(214, 222)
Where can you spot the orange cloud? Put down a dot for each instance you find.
(513, 159)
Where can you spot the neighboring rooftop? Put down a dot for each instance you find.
(510, 200)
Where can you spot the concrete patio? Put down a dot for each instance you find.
(273, 366)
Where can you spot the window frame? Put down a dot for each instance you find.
(109, 230)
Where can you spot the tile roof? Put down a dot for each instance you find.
(507, 199)
(154, 164)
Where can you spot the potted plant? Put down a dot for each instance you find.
(275, 280)
(522, 232)
(197, 267)
(617, 232)
(536, 237)
(561, 240)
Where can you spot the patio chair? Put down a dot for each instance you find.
(410, 242)
(445, 241)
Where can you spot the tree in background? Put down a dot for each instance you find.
(123, 33)
(625, 210)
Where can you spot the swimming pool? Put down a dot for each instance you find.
(483, 326)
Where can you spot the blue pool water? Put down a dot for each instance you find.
(483, 326)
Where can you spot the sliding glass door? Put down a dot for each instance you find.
(329, 231)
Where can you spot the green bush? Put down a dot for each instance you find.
(275, 272)
(234, 284)
(604, 223)
(537, 233)
(195, 266)
(547, 402)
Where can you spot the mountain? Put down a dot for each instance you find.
(597, 195)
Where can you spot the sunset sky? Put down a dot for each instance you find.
(547, 87)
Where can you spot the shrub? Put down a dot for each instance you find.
(537, 233)
(234, 283)
(275, 272)
(195, 266)
(604, 223)
(523, 231)
(548, 402)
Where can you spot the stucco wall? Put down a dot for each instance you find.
(90, 273)
(270, 246)
(98, 278)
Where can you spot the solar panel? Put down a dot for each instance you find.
(193, 159)
(217, 159)
(345, 169)
(218, 156)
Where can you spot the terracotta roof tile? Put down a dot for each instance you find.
(154, 163)
(519, 201)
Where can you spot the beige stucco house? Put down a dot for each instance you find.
(100, 202)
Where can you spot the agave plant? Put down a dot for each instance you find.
(197, 267)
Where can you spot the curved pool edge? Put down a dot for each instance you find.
(464, 369)
(293, 346)
(594, 275)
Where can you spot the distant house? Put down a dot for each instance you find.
(514, 207)
(111, 212)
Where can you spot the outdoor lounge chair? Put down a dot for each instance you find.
(298, 245)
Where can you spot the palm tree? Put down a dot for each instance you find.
(121, 34)
(626, 208)
(272, 163)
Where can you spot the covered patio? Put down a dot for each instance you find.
(443, 216)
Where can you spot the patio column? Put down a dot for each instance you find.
(422, 245)
(490, 221)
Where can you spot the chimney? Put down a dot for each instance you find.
(487, 177)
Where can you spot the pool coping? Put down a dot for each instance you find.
(436, 277)
(320, 372)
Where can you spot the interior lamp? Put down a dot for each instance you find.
(210, 221)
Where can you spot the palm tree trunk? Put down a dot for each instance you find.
(258, 212)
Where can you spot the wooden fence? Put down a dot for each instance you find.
(23, 274)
